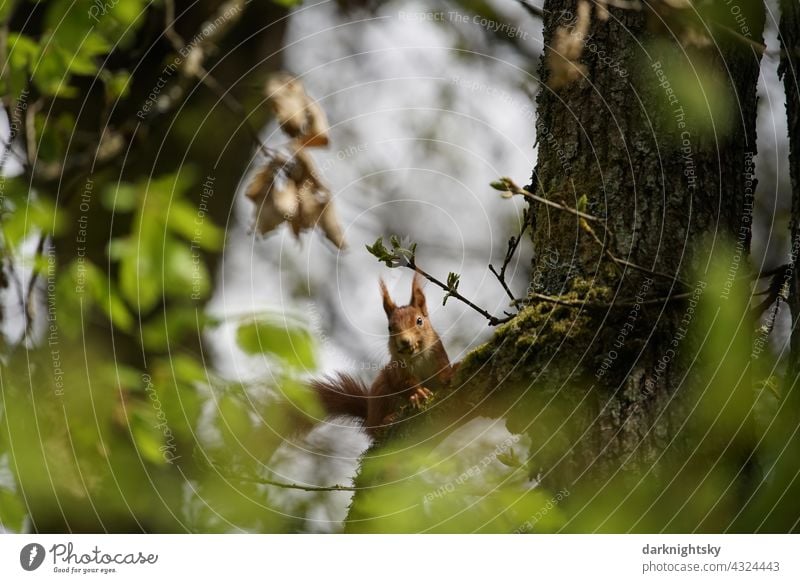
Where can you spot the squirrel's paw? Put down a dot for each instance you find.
(420, 397)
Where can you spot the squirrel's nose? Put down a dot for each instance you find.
(405, 343)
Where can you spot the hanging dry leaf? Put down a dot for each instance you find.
(291, 191)
(329, 223)
(679, 18)
(567, 48)
(288, 188)
(316, 206)
(299, 116)
(261, 183)
(678, 4)
(317, 212)
(275, 199)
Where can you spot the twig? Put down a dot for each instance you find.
(513, 244)
(534, 11)
(30, 131)
(287, 486)
(651, 272)
(501, 278)
(234, 107)
(493, 320)
(9, 151)
(510, 186)
(769, 272)
(15, 278)
(604, 248)
(206, 78)
(602, 305)
(760, 48)
(774, 291)
(28, 299)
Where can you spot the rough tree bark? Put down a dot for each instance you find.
(790, 42)
(777, 507)
(601, 391)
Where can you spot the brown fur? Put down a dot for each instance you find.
(418, 362)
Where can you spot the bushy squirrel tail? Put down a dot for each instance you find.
(342, 394)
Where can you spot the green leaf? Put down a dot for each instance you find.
(509, 458)
(6, 8)
(381, 252)
(22, 50)
(172, 327)
(55, 134)
(140, 277)
(304, 399)
(190, 370)
(453, 280)
(234, 420)
(51, 72)
(35, 214)
(104, 294)
(12, 510)
(127, 377)
(190, 224)
(185, 274)
(117, 84)
(292, 345)
(399, 255)
(120, 198)
(147, 436)
(22, 54)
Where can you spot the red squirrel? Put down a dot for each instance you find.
(419, 365)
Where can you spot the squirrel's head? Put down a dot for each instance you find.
(410, 330)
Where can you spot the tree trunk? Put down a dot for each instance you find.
(603, 389)
(790, 42)
(775, 506)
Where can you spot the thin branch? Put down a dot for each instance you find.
(775, 291)
(501, 278)
(769, 272)
(284, 485)
(760, 48)
(8, 150)
(17, 281)
(604, 248)
(205, 77)
(233, 105)
(513, 244)
(30, 131)
(602, 305)
(512, 187)
(534, 11)
(493, 320)
(28, 299)
(651, 272)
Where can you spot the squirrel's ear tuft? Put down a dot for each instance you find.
(388, 305)
(418, 295)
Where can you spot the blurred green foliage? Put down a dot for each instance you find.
(111, 417)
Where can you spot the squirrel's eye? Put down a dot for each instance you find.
(419, 321)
